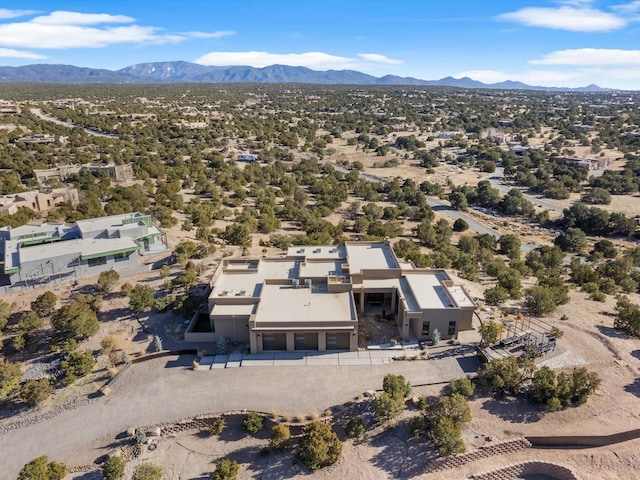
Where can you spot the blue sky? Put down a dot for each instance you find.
(540, 42)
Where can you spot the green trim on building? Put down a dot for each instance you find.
(39, 241)
(146, 219)
(32, 235)
(9, 271)
(110, 252)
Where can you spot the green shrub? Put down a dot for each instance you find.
(253, 422)
(446, 435)
(216, 426)
(319, 446)
(225, 470)
(280, 435)
(34, 392)
(77, 364)
(463, 386)
(355, 427)
(147, 471)
(386, 407)
(113, 468)
(41, 469)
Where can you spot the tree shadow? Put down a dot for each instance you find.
(612, 332)
(513, 410)
(419, 455)
(283, 465)
(115, 314)
(252, 459)
(392, 452)
(636, 354)
(92, 475)
(633, 388)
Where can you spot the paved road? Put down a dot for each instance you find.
(167, 389)
(43, 116)
(438, 205)
(496, 181)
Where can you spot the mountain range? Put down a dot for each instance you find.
(185, 72)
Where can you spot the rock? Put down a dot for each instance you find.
(156, 432)
(370, 394)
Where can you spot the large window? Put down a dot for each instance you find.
(452, 328)
(425, 329)
(121, 257)
(95, 262)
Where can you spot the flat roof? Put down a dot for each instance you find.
(91, 247)
(103, 223)
(460, 296)
(45, 228)
(374, 256)
(320, 268)
(245, 278)
(286, 304)
(325, 252)
(428, 289)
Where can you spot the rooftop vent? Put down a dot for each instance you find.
(307, 283)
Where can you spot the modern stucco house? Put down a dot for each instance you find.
(311, 298)
(52, 252)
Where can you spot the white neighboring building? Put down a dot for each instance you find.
(40, 254)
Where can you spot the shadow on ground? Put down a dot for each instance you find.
(184, 361)
(633, 388)
(612, 332)
(513, 410)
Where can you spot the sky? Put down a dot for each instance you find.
(564, 43)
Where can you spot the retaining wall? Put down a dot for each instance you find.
(513, 472)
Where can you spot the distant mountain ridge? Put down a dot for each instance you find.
(186, 72)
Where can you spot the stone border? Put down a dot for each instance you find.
(511, 472)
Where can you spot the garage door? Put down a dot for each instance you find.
(274, 341)
(306, 341)
(338, 341)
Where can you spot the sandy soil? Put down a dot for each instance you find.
(589, 340)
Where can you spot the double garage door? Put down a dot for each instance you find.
(305, 341)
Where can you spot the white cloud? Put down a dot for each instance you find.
(75, 18)
(61, 30)
(376, 57)
(4, 13)
(591, 57)
(627, 8)
(314, 60)
(533, 77)
(566, 17)
(218, 34)
(31, 35)
(11, 53)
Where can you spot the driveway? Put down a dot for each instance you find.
(167, 389)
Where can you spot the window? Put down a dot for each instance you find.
(425, 329)
(94, 262)
(121, 257)
(452, 328)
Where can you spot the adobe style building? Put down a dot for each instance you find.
(311, 299)
(37, 255)
(38, 201)
(116, 173)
